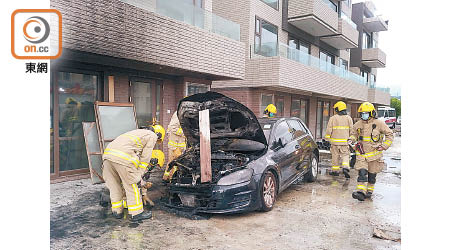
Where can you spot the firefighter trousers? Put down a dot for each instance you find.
(119, 179)
(340, 156)
(366, 179)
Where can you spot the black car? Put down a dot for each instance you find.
(252, 159)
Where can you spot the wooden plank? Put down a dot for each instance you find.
(111, 88)
(205, 146)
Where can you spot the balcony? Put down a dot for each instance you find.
(373, 58)
(316, 17)
(375, 24)
(291, 70)
(379, 96)
(347, 37)
(170, 36)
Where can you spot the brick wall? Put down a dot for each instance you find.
(113, 28)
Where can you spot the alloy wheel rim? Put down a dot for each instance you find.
(314, 167)
(269, 191)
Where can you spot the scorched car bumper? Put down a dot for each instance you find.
(218, 199)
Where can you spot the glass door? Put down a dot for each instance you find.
(72, 102)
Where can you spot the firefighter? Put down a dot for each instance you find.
(270, 111)
(374, 136)
(125, 161)
(176, 145)
(338, 133)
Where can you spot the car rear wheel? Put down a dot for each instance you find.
(311, 176)
(268, 191)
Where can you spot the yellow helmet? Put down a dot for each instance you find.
(340, 105)
(270, 109)
(159, 157)
(159, 131)
(366, 107)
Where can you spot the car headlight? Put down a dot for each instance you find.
(236, 177)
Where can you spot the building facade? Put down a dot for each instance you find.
(298, 57)
(297, 54)
(151, 53)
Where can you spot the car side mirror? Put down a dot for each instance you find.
(278, 144)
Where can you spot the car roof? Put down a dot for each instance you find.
(273, 120)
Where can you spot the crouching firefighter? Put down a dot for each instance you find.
(338, 133)
(125, 161)
(373, 136)
(270, 111)
(176, 145)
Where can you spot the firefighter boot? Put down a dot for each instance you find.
(117, 215)
(361, 188)
(142, 216)
(335, 170)
(346, 173)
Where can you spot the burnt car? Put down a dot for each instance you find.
(252, 159)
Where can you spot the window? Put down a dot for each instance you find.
(331, 4)
(323, 115)
(266, 38)
(365, 75)
(326, 61)
(392, 113)
(297, 128)
(299, 44)
(195, 88)
(146, 96)
(367, 41)
(265, 100)
(279, 104)
(343, 64)
(271, 3)
(283, 131)
(299, 108)
(348, 2)
(373, 81)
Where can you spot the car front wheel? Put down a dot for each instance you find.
(268, 191)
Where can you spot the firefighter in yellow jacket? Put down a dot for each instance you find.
(374, 136)
(125, 161)
(270, 111)
(176, 145)
(338, 133)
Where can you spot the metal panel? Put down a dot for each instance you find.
(94, 154)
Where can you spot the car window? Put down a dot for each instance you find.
(380, 113)
(391, 113)
(283, 131)
(297, 128)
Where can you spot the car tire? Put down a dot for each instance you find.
(268, 191)
(313, 171)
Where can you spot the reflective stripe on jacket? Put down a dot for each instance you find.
(372, 134)
(338, 129)
(133, 148)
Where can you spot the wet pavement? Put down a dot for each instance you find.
(320, 215)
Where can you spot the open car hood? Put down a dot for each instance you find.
(229, 119)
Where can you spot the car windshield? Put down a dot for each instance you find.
(267, 125)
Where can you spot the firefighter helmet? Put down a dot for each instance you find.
(367, 107)
(158, 157)
(339, 106)
(270, 109)
(159, 131)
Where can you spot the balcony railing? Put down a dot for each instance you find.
(190, 14)
(348, 20)
(312, 61)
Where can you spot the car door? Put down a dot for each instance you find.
(283, 155)
(300, 160)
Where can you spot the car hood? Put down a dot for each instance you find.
(229, 119)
